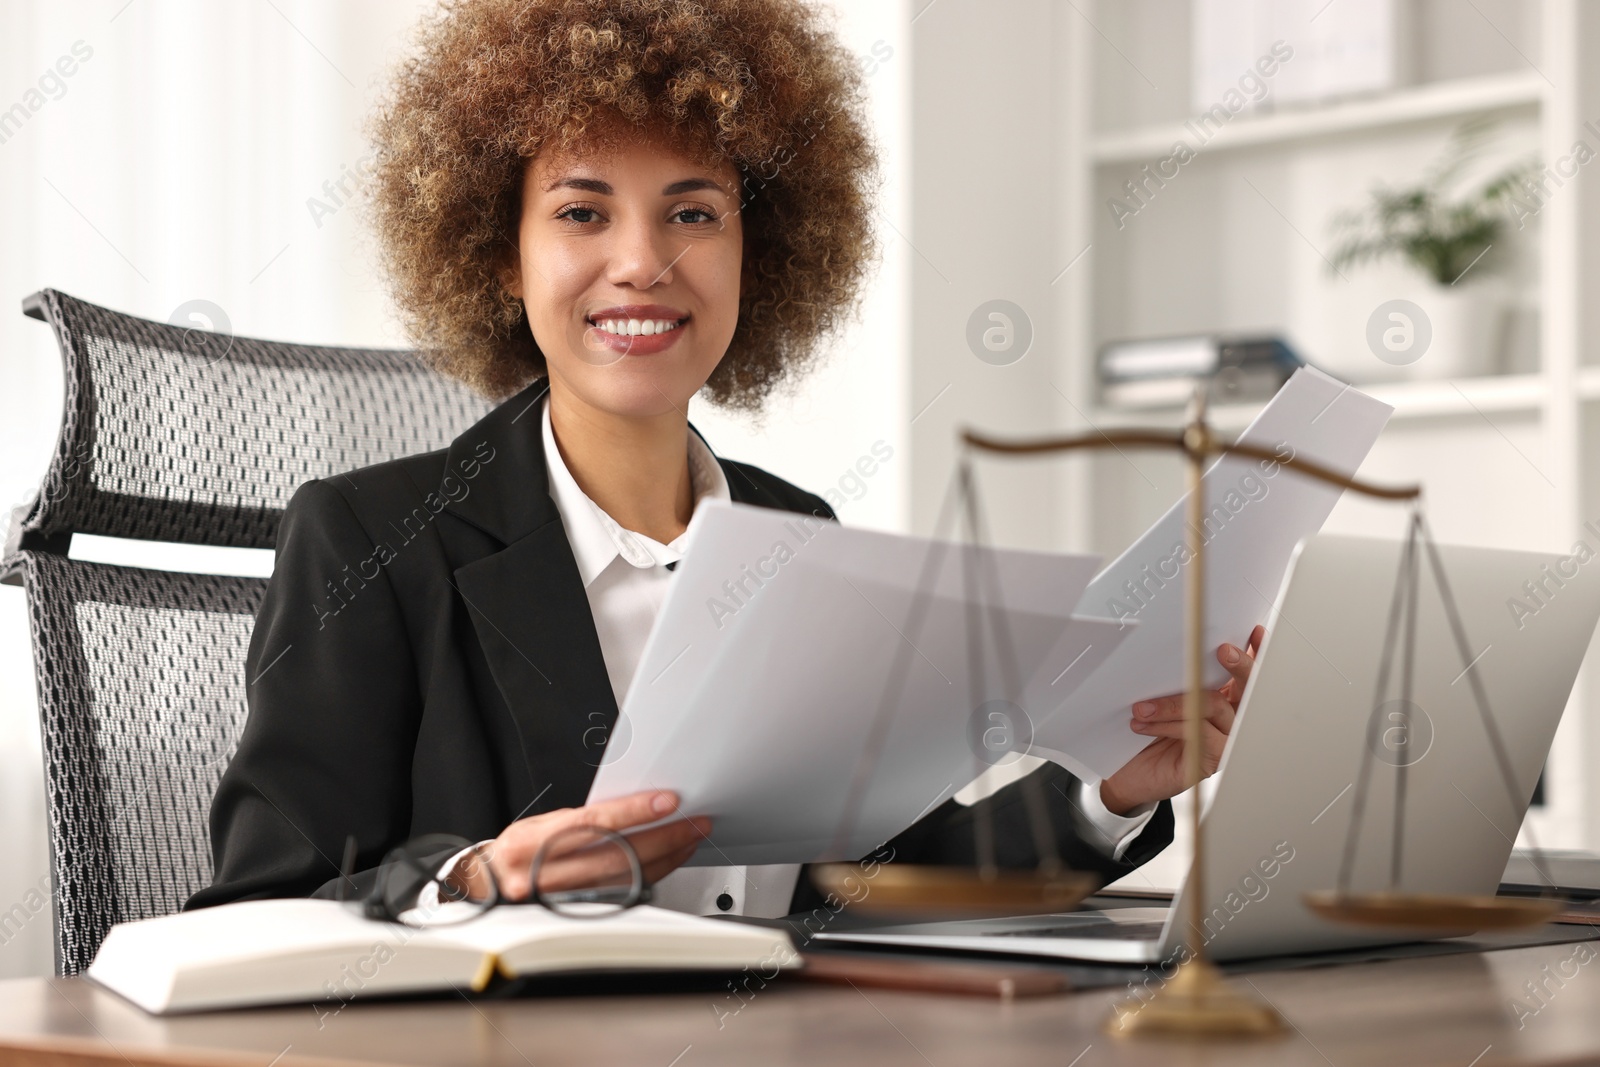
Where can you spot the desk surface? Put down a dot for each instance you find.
(1456, 1010)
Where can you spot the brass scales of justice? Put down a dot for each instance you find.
(1197, 1000)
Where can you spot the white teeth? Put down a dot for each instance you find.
(636, 327)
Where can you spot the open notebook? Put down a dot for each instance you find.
(283, 951)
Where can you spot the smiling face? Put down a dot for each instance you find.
(629, 266)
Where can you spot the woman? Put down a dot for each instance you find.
(596, 210)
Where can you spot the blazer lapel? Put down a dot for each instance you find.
(529, 608)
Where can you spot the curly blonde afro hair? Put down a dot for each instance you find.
(761, 84)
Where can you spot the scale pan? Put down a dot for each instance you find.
(1432, 911)
(962, 891)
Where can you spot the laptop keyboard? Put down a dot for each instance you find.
(1092, 931)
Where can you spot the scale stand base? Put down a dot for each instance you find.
(1197, 1001)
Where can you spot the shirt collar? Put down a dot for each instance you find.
(596, 538)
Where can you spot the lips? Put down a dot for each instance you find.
(635, 329)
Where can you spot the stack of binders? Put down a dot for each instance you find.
(1164, 371)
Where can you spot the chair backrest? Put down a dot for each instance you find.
(174, 434)
(141, 701)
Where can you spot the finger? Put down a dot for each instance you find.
(512, 877)
(1219, 711)
(623, 812)
(1238, 662)
(574, 839)
(1220, 720)
(513, 852)
(1214, 742)
(575, 846)
(603, 862)
(1160, 708)
(1170, 708)
(471, 875)
(1210, 736)
(664, 840)
(523, 838)
(665, 865)
(590, 869)
(520, 840)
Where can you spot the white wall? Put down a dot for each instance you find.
(821, 435)
(983, 227)
(176, 164)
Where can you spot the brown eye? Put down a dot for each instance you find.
(578, 215)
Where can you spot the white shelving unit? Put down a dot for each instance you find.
(1237, 242)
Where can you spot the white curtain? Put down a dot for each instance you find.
(173, 163)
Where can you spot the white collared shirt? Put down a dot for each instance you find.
(625, 576)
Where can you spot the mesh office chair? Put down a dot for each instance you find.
(172, 434)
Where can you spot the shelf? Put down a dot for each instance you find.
(1441, 100)
(1462, 396)
(1507, 393)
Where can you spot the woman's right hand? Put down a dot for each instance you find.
(660, 849)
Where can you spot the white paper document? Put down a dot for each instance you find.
(798, 691)
(1256, 512)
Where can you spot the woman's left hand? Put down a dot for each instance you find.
(1160, 770)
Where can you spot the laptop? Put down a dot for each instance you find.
(1277, 821)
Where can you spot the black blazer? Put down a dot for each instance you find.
(425, 661)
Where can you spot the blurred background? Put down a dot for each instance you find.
(1087, 207)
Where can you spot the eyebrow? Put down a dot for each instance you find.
(595, 185)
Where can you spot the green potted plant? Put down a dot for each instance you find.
(1451, 232)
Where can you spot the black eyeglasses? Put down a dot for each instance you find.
(583, 873)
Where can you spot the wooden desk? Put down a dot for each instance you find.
(1455, 1010)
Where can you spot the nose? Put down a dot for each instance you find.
(643, 254)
